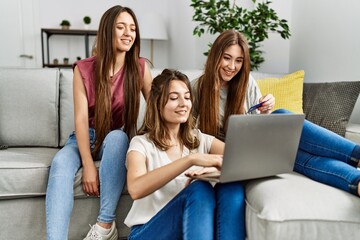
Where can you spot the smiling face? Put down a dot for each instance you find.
(125, 32)
(230, 63)
(178, 105)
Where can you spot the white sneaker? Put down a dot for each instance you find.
(95, 235)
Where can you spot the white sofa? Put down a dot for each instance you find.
(36, 117)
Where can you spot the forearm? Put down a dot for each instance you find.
(83, 141)
(147, 183)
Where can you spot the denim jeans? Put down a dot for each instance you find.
(193, 213)
(66, 163)
(327, 157)
(230, 211)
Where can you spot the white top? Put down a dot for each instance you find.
(253, 95)
(144, 209)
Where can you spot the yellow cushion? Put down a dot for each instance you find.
(287, 90)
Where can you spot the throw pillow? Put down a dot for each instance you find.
(330, 104)
(287, 90)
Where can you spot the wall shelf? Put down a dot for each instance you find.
(48, 32)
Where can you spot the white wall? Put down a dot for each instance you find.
(326, 39)
(277, 50)
(182, 50)
(324, 42)
(52, 12)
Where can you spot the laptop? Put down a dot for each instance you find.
(258, 146)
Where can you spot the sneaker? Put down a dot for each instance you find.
(95, 235)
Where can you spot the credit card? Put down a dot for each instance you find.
(253, 108)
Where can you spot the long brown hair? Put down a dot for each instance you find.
(154, 123)
(105, 60)
(209, 85)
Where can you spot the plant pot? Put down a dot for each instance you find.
(64, 27)
(86, 26)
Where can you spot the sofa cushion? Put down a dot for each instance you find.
(29, 107)
(192, 74)
(291, 206)
(24, 172)
(66, 105)
(29, 214)
(287, 90)
(330, 104)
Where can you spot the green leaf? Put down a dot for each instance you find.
(218, 15)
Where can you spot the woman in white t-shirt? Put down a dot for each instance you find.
(167, 205)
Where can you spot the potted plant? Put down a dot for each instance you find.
(66, 61)
(217, 16)
(87, 21)
(65, 24)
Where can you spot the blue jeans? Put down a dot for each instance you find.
(327, 157)
(193, 213)
(230, 211)
(66, 163)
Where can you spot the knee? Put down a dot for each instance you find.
(202, 191)
(233, 191)
(281, 111)
(56, 165)
(65, 163)
(117, 138)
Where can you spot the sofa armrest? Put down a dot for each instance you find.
(355, 115)
(353, 128)
(353, 132)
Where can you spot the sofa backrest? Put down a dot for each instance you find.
(66, 109)
(36, 106)
(29, 103)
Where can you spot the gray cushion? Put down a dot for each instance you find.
(29, 107)
(28, 215)
(261, 75)
(66, 105)
(24, 172)
(330, 104)
(291, 206)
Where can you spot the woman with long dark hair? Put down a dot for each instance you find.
(226, 88)
(106, 90)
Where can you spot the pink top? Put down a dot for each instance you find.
(87, 71)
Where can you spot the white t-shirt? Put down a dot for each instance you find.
(144, 209)
(252, 97)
